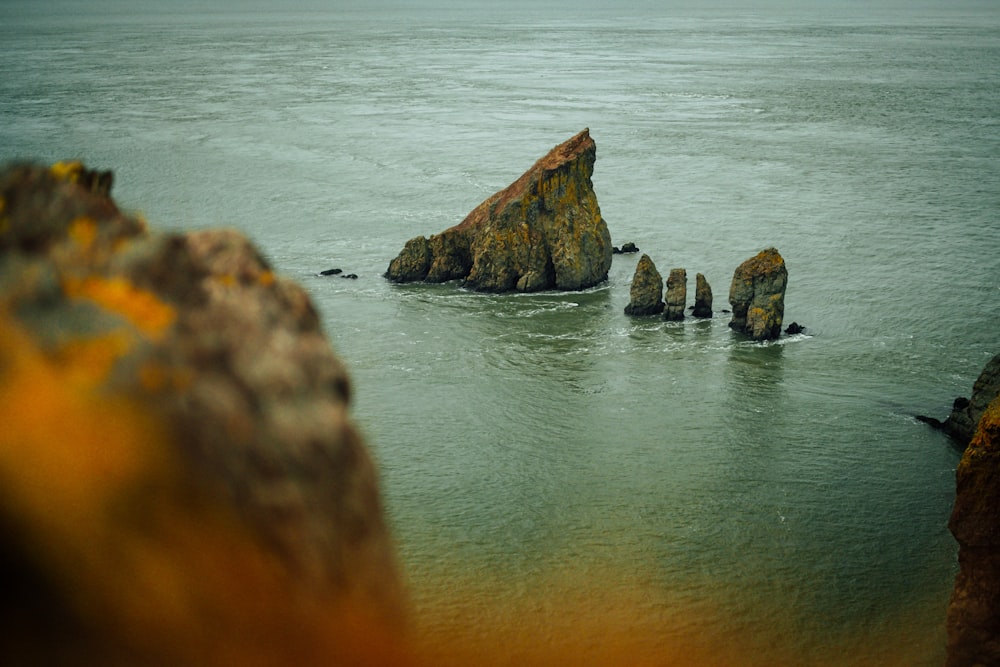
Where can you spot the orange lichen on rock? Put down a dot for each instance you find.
(83, 231)
(140, 307)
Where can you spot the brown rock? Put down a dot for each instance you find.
(544, 231)
(757, 295)
(973, 621)
(676, 297)
(181, 480)
(413, 262)
(646, 292)
(702, 297)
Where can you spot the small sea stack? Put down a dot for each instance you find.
(646, 293)
(757, 295)
(702, 297)
(676, 295)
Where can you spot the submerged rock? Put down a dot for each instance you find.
(757, 295)
(702, 297)
(627, 247)
(176, 450)
(676, 296)
(544, 231)
(646, 292)
(973, 620)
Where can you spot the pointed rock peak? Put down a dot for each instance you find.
(543, 231)
(568, 150)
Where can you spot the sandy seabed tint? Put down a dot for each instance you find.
(603, 618)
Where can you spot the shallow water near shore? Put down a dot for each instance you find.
(560, 477)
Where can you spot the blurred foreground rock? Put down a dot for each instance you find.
(180, 481)
(544, 231)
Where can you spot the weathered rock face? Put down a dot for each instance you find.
(966, 413)
(544, 231)
(702, 297)
(181, 481)
(676, 297)
(646, 293)
(974, 611)
(757, 295)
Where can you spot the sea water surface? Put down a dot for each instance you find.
(560, 476)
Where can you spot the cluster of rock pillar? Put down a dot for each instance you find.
(757, 294)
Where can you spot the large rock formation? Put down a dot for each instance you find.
(180, 481)
(757, 295)
(974, 611)
(544, 231)
(646, 292)
(702, 297)
(676, 297)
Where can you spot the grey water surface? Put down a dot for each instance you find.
(786, 486)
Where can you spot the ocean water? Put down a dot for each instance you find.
(561, 477)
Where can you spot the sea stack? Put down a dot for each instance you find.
(182, 481)
(973, 620)
(676, 296)
(544, 231)
(702, 297)
(757, 295)
(646, 293)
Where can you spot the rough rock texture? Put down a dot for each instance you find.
(702, 297)
(966, 413)
(676, 297)
(973, 621)
(757, 295)
(544, 231)
(180, 481)
(646, 292)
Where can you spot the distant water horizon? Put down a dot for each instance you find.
(563, 479)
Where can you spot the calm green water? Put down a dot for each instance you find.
(783, 490)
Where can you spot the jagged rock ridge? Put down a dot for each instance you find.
(544, 231)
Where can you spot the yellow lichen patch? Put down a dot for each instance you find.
(67, 170)
(83, 231)
(142, 308)
(266, 278)
(59, 448)
(88, 361)
(225, 279)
